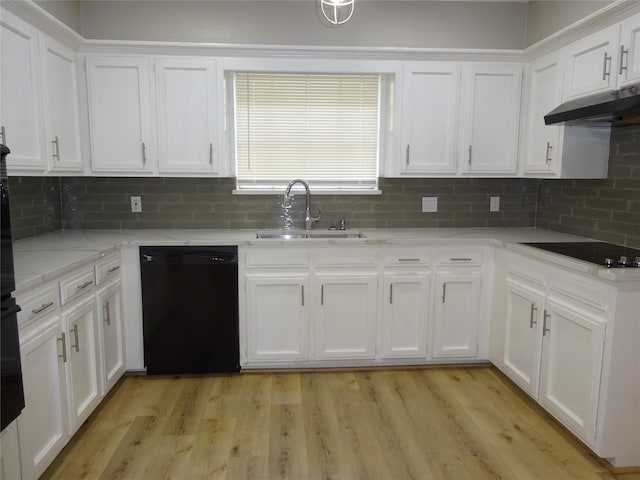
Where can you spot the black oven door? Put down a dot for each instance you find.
(12, 401)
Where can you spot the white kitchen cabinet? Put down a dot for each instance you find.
(187, 115)
(404, 315)
(590, 63)
(21, 116)
(629, 60)
(345, 317)
(60, 106)
(571, 365)
(277, 317)
(489, 118)
(430, 99)
(120, 114)
(457, 303)
(82, 363)
(109, 300)
(10, 468)
(43, 425)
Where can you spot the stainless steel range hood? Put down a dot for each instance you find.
(621, 107)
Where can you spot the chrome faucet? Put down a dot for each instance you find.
(308, 219)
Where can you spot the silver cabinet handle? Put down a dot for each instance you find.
(75, 334)
(3, 134)
(470, 153)
(548, 153)
(144, 154)
(544, 324)
(106, 311)
(391, 294)
(407, 154)
(42, 308)
(56, 148)
(605, 72)
(460, 259)
(322, 294)
(63, 339)
(211, 154)
(302, 294)
(444, 291)
(113, 269)
(85, 285)
(408, 259)
(534, 309)
(623, 52)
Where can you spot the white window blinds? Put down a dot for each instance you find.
(322, 128)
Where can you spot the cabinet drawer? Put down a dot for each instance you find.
(456, 256)
(37, 304)
(109, 268)
(586, 291)
(76, 284)
(357, 257)
(405, 256)
(275, 258)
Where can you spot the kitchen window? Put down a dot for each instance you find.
(322, 128)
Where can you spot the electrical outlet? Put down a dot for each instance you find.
(136, 204)
(494, 204)
(429, 204)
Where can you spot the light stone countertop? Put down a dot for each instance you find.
(42, 258)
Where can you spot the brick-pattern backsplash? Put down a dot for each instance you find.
(607, 209)
(91, 202)
(35, 205)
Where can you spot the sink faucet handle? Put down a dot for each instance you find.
(342, 224)
(316, 219)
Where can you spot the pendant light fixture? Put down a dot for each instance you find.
(337, 12)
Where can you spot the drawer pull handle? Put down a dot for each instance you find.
(85, 285)
(444, 291)
(408, 259)
(63, 339)
(544, 324)
(42, 308)
(322, 294)
(75, 334)
(391, 294)
(532, 322)
(113, 269)
(460, 259)
(106, 311)
(302, 294)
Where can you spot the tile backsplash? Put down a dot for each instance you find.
(36, 206)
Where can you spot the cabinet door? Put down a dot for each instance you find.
(120, 114)
(43, 424)
(429, 117)
(82, 367)
(629, 61)
(187, 109)
(455, 325)
(571, 366)
(542, 148)
(590, 63)
(346, 317)
(404, 315)
(277, 317)
(523, 336)
(490, 112)
(110, 326)
(21, 116)
(60, 106)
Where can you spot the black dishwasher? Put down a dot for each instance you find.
(190, 309)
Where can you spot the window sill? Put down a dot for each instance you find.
(315, 192)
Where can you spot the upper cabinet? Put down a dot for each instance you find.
(489, 118)
(430, 98)
(60, 106)
(120, 114)
(187, 115)
(629, 69)
(21, 118)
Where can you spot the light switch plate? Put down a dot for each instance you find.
(494, 204)
(136, 204)
(429, 204)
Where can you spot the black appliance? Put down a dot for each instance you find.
(11, 391)
(621, 107)
(190, 309)
(601, 253)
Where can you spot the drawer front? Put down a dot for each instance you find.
(405, 256)
(107, 269)
(37, 304)
(590, 293)
(340, 257)
(277, 258)
(74, 285)
(458, 256)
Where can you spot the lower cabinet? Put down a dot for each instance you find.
(111, 334)
(345, 316)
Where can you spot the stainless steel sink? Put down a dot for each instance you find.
(299, 234)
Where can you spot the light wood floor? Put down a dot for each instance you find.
(436, 423)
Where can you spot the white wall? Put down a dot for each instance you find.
(375, 23)
(67, 11)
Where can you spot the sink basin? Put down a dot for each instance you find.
(298, 234)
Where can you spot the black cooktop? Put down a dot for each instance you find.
(600, 253)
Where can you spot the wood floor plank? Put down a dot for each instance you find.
(435, 423)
